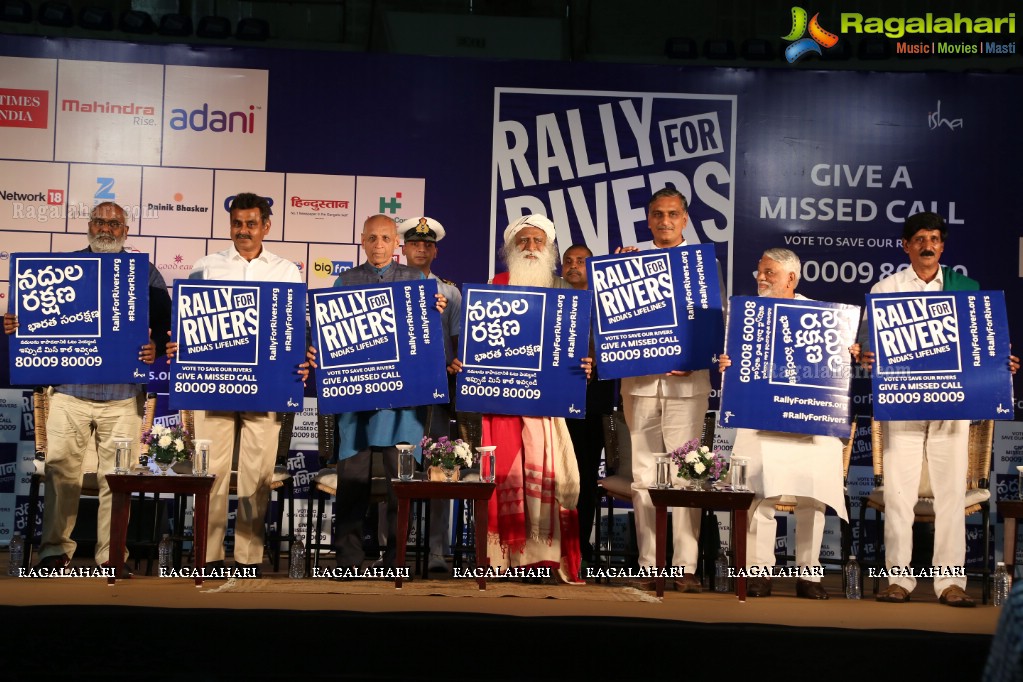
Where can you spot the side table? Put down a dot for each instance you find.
(716, 500)
(123, 485)
(477, 491)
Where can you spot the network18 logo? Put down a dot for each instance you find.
(804, 46)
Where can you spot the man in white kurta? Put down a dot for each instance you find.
(663, 412)
(791, 465)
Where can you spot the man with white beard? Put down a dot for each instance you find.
(101, 412)
(533, 519)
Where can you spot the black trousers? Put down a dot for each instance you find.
(588, 441)
(353, 490)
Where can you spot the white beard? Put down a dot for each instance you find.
(103, 245)
(531, 272)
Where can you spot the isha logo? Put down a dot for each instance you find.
(215, 121)
(804, 46)
(24, 108)
(390, 205)
(935, 121)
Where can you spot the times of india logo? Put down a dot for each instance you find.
(24, 108)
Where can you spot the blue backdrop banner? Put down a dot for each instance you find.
(522, 349)
(656, 311)
(791, 367)
(940, 355)
(82, 318)
(379, 346)
(239, 346)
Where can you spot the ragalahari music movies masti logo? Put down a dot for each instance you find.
(802, 46)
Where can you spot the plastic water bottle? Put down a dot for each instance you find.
(17, 554)
(721, 573)
(1003, 583)
(852, 579)
(163, 552)
(296, 560)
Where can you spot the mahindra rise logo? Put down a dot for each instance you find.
(215, 121)
(24, 108)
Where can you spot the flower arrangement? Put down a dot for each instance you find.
(167, 444)
(697, 462)
(446, 452)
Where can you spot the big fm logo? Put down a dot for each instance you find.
(803, 47)
(214, 120)
(324, 267)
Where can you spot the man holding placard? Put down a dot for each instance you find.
(807, 467)
(103, 413)
(533, 518)
(258, 432)
(663, 412)
(359, 433)
(420, 248)
(941, 444)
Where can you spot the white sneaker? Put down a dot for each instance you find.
(437, 564)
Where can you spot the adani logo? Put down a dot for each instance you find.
(216, 121)
(803, 47)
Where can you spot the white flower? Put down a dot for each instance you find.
(159, 429)
(692, 457)
(164, 441)
(699, 468)
(179, 444)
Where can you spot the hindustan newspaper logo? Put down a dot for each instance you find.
(317, 204)
(801, 46)
(24, 108)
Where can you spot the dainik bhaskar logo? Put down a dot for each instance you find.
(802, 47)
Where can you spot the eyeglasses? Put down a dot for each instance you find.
(112, 224)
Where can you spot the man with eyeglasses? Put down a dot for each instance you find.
(664, 411)
(103, 413)
(807, 468)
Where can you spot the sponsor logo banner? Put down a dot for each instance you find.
(215, 117)
(24, 108)
(940, 355)
(656, 311)
(380, 346)
(320, 207)
(239, 344)
(791, 367)
(81, 318)
(521, 351)
(109, 112)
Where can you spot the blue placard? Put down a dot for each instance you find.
(82, 318)
(380, 346)
(791, 367)
(940, 355)
(522, 349)
(239, 346)
(656, 311)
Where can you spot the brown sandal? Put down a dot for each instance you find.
(894, 594)
(956, 596)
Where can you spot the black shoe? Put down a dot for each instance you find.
(54, 562)
(123, 573)
(214, 570)
(250, 570)
(758, 586)
(806, 589)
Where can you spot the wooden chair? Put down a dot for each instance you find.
(788, 504)
(90, 479)
(617, 486)
(978, 494)
(282, 483)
